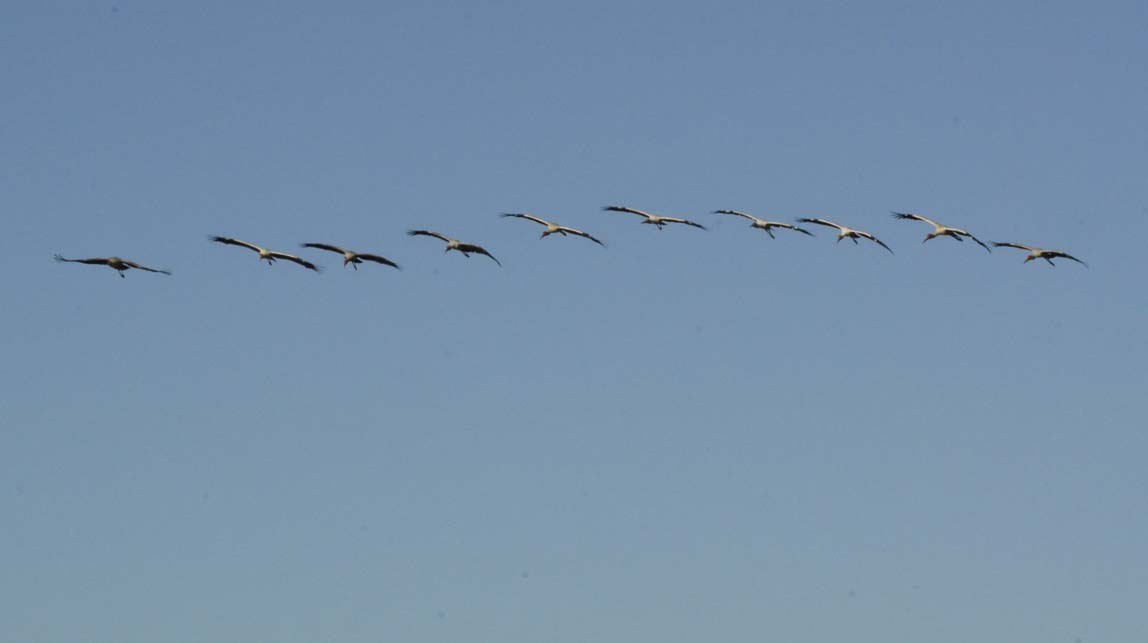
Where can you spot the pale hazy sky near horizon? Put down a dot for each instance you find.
(688, 435)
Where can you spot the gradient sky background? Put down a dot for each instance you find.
(687, 436)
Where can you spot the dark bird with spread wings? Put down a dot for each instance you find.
(120, 265)
(1039, 253)
(264, 254)
(939, 230)
(844, 232)
(454, 244)
(351, 257)
(553, 228)
(653, 219)
(762, 224)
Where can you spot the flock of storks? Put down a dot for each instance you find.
(356, 258)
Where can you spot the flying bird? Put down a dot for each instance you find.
(1039, 253)
(264, 254)
(844, 232)
(113, 262)
(552, 228)
(350, 257)
(762, 224)
(653, 219)
(940, 230)
(454, 244)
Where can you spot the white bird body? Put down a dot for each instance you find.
(940, 230)
(1039, 253)
(763, 224)
(844, 232)
(653, 219)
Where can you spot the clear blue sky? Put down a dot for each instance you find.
(687, 436)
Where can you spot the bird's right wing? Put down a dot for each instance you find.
(144, 268)
(378, 259)
(470, 247)
(302, 262)
(579, 233)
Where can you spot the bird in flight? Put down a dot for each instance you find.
(454, 244)
(762, 224)
(264, 254)
(940, 230)
(120, 265)
(1039, 253)
(350, 257)
(844, 232)
(653, 219)
(552, 228)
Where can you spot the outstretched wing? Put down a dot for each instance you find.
(738, 213)
(790, 226)
(915, 217)
(979, 242)
(1057, 253)
(379, 259)
(302, 262)
(324, 246)
(429, 233)
(875, 240)
(579, 233)
(619, 208)
(236, 242)
(683, 221)
(523, 215)
(132, 264)
(99, 261)
(823, 222)
(470, 247)
(1009, 244)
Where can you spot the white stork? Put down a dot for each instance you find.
(120, 265)
(762, 224)
(350, 257)
(264, 254)
(1039, 253)
(454, 244)
(552, 228)
(940, 230)
(653, 219)
(844, 232)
